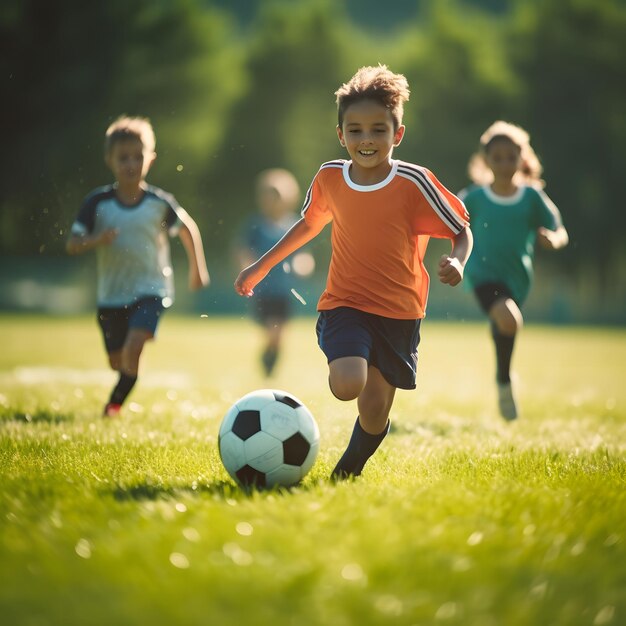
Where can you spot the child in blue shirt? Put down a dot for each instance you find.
(277, 196)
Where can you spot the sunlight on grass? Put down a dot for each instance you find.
(459, 519)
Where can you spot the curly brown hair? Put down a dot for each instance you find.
(374, 83)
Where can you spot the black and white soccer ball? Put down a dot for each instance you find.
(268, 438)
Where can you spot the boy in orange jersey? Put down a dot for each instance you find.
(383, 211)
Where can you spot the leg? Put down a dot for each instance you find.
(375, 402)
(274, 332)
(115, 360)
(132, 349)
(371, 427)
(347, 377)
(129, 367)
(114, 325)
(506, 320)
(271, 312)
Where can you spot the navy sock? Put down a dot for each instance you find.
(124, 386)
(504, 351)
(360, 448)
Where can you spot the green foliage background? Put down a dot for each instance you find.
(235, 87)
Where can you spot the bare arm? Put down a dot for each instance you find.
(299, 234)
(192, 242)
(451, 267)
(79, 244)
(552, 239)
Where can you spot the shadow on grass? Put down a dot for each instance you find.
(439, 429)
(221, 488)
(443, 428)
(34, 417)
(149, 491)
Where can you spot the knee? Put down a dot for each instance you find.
(347, 377)
(131, 353)
(115, 361)
(508, 319)
(508, 325)
(345, 388)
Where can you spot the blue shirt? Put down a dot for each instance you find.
(261, 234)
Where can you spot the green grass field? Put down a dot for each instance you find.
(460, 518)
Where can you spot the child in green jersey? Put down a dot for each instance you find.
(509, 213)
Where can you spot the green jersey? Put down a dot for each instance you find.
(505, 231)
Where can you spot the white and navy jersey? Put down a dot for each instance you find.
(137, 263)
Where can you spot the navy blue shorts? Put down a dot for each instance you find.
(115, 322)
(488, 294)
(388, 344)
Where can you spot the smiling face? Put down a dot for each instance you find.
(129, 161)
(369, 136)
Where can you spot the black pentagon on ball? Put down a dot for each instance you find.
(295, 449)
(250, 477)
(246, 424)
(288, 400)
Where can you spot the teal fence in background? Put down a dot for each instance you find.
(60, 285)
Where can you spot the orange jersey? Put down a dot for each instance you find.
(379, 236)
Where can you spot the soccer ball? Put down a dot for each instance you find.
(268, 438)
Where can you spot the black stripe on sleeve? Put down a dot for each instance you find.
(171, 204)
(87, 212)
(447, 214)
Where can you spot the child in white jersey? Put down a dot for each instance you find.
(128, 224)
(509, 213)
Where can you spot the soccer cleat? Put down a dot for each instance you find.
(112, 410)
(506, 402)
(346, 470)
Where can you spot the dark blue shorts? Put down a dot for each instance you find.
(488, 294)
(388, 344)
(115, 322)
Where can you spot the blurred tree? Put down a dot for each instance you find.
(454, 59)
(297, 57)
(570, 56)
(71, 67)
(226, 104)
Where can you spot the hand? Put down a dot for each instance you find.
(450, 270)
(546, 238)
(107, 237)
(248, 279)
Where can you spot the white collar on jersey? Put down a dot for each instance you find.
(494, 197)
(380, 185)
